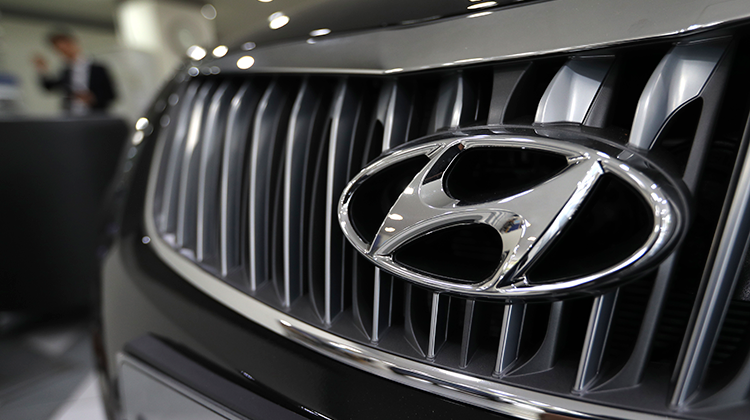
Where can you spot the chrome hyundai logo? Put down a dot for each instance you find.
(527, 222)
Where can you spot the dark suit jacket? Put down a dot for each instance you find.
(100, 85)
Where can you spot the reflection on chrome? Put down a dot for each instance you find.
(173, 99)
(277, 20)
(527, 228)
(394, 70)
(196, 52)
(220, 51)
(482, 5)
(467, 60)
(480, 14)
(245, 62)
(248, 46)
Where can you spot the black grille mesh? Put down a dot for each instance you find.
(252, 169)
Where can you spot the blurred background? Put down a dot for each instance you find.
(139, 41)
(75, 76)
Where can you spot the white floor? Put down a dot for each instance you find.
(85, 403)
(47, 373)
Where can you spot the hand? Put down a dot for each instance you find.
(40, 63)
(85, 96)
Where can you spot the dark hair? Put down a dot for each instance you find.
(60, 34)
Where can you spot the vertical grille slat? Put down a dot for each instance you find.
(722, 277)
(678, 79)
(455, 98)
(595, 341)
(506, 79)
(269, 119)
(234, 155)
(170, 192)
(572, 91)
(303, 138)
(469, 334)
(209, 172)
(632, 371)
(345, 114)
(168, 123)
(393, 113)
(438, 324)
(510, 337)
(187, 204)
(549, 350)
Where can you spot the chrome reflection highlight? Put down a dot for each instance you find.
(248, 46)
(527, 222)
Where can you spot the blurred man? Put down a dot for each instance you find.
(86, 86)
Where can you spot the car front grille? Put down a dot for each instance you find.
(252, 169)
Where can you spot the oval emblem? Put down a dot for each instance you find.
(512, 216)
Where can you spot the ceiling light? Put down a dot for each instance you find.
(220, 51)
(320, 32)
(245, 62)
(196, 53)
(277, 20)
(208, 11)
(137, 138)
(141, 124)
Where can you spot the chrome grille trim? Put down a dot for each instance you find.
(679, 78)
(171, 188)
(207, 238)
(295, 169)
(731, 251)
(278, 130)
(571, 93)
(344, 116)
(549, 27)
(596, 338)
(510, 337)
(235, 144)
